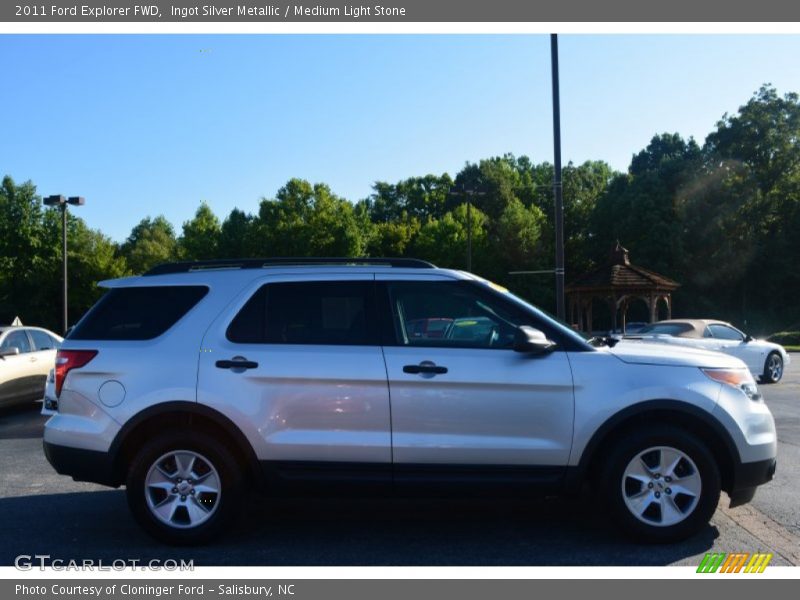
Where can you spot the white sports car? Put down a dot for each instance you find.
(764, 359)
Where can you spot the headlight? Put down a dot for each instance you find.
(741, 379)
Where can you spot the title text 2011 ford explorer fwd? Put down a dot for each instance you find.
(195, 380)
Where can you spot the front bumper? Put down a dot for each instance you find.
(82, 465)
(747, 477)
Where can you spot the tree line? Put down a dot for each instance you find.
(721, 218)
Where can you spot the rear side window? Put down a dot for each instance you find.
(137, 313)
(318, 313)
(42, 341)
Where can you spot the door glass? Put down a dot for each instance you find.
(317, 312)
(723, 332)
(449, 314)
(18, 339)
(42, 341)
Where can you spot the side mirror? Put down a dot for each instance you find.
(10, 351)
(748, 338)
(532, 341)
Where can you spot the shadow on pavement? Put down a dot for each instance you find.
(357, 532)
(23, 421)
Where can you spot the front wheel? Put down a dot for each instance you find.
(183, 488)
(662, 484)
(773, 368)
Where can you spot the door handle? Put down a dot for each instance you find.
(427, 368)
(238, 362)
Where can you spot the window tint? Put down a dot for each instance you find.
(321, 313)
(453, 314)
(137, 313)
(42, 341)
(17, 339)
(723, 332)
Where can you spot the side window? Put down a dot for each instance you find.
(42, 341)
(17, 339)
(137, 313)
(314, 312)
(723, 332)
(452, 314)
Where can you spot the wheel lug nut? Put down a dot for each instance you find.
(650, 485)
(667, 479)
(192, 492)
(668, 490)
(183, 498)
(658, 494)
(174, 490)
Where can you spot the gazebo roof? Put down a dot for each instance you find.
(620, 275)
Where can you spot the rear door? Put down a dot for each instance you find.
(465, 402)
(298, 366)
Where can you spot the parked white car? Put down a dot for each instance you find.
(27, 354)
(764, 359)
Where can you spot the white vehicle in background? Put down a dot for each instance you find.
(764, 359)
(27, 355)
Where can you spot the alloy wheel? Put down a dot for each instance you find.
(661, 486)
(182, 489)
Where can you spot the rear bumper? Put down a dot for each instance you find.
(747, 477)
(82, 465)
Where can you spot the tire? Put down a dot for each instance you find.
(184, 488)
(661, 514)
(773, 368)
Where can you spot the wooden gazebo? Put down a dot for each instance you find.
(618, 284)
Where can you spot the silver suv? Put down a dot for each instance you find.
(195, 381)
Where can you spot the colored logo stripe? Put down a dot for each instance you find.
(733, 563)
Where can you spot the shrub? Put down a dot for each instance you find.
(786, 338)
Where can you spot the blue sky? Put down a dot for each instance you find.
(143, 125)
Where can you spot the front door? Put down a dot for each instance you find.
(461, 397)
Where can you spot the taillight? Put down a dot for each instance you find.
(66, 360)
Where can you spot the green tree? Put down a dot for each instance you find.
(444, 241)
(236, 236)
(151, 242)
(308, 220)
(200, 239)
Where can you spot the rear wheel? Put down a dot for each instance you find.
(184, 488)
(773, 368)
(662, 484)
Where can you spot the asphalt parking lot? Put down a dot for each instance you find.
(44, 513)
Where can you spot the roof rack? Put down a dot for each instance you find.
(260, 263)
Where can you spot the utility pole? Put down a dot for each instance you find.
(468, 193)
(557, 184)
(61, 202)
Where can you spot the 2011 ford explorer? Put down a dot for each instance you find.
(197, 380)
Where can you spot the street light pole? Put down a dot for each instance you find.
(557, 184)
(61, 202)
